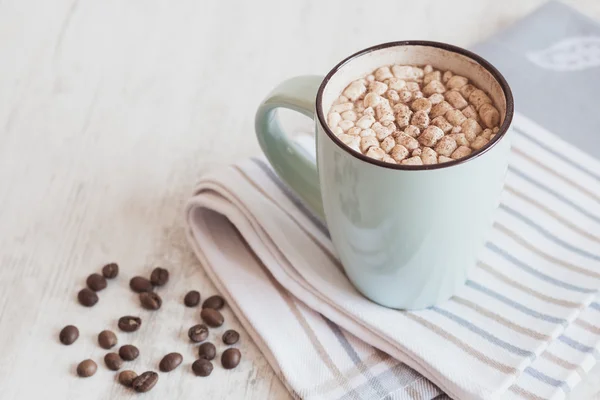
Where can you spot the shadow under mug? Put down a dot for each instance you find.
(406, 235)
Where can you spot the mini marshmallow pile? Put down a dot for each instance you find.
(413, 116)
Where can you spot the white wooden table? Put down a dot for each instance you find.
(109, 112)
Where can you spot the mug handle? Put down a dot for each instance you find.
(289, 160)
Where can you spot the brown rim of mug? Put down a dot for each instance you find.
(455, 49)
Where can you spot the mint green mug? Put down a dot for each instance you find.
(406, 235)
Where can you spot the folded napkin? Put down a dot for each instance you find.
(521, 322)
(525, 325)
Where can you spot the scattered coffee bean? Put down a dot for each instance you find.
(215, 302)
(86, 368)
(212, 317)
(231, 337)
(68, 334)
(110, 271)
(145, 381)
(170, 362)
(198, 333)
(159, 276)
(129, 323)
(140, 284)
(202, 367)
(129, 352)
(192, 298)
(126, 377)
(107, 339)
(150, 300)
(113, 361)
(87, 297)
(207, 351)
(96, 282)
(231, 358)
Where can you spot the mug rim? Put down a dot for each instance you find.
(503, 129)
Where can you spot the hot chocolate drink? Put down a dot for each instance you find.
(414, 115)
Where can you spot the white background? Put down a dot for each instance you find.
(109, 112)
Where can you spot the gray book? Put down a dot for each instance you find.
(551, 59)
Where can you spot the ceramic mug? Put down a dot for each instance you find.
(406, 235)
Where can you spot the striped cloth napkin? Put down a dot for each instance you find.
(525, 325)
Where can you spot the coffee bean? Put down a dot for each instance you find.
(126, 377)
(170, 362)
(113, 361)
(129, 323)
(140, 284)
(202, 367)
(86, 368)
(87, 297)
(207, 351)
(68, 334)
(96, 282)
(150, 300)
(231, 337)
(231, 358)
(159, 276)
(129, 352)
(145, 381)
(192, 298)
(212, 317)
(110, 271)
(198, 333)
(107, 339)
(215, 302)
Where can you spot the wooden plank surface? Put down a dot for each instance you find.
(109, 112)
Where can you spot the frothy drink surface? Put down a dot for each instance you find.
(412, 115)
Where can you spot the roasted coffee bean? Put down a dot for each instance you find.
(68, 334)
(212, 317)
(145, 381)
(110, 271)
(202, 367)
(159, 276)
(87, 297)
(107, 339)
(126, 377)
(150, 300)
(198, 333)
(129, 323)
(231, 337)
(192, 298)
(140, 284)
(86, 368)
(96, 282)
(207, 351)
(129, 352)
(170, 362)
(113, 361)
(231, 358)
(215, 302)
